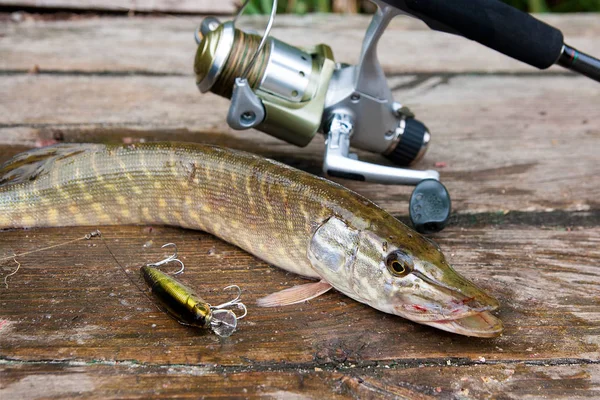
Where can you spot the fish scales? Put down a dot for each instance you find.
(289, 218)
(262, 206)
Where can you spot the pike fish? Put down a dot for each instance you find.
(289, 218)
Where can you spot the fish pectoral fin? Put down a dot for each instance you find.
(293, 295)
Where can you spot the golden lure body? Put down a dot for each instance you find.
(180, 301)
(289, 218)
(189, 309)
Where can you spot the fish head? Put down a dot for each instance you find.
(396, 270)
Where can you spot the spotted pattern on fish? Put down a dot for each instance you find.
(262, 206)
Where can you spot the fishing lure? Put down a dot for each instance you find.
(183, 304)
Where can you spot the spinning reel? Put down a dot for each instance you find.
(293, 93)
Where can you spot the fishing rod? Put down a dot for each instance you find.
(503, 28)
(293, 93)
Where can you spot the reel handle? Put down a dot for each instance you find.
(339, 162)
(492, 23)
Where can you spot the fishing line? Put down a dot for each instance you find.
(14, 257)
(144, 292)
(12, 273)
(86, 237)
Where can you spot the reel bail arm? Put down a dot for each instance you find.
(342, 164)
(377, 123)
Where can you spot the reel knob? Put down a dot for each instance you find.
(410, 145)
(430, 206)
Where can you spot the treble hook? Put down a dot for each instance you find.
(234, 302)
(169, 259)
(224, 321)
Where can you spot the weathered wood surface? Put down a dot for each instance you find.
(522, 167)
(509, 142)
(420, 382)
(546, 280)
(176, 6)
(166, 45)
(74, 305)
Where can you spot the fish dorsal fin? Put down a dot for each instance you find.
(30, 165)
(295, 294)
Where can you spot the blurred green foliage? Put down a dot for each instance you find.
(556, 5)
(290, 6)
(323, 6)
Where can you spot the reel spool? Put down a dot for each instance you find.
(276, 88)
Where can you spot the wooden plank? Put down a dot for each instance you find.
(508, 142)
(72, 324)
(75, 303)
(166, 45)
(175, 6)
(126, 380)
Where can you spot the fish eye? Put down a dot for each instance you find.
(399, 263)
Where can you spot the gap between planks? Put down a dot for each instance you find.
(510, 381)
(399, 363)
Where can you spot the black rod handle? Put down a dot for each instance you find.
(493, 24)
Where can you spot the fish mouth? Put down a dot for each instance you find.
(464, 309)
(476, 322)
(457, 309)
(482, 324)
(472, 322)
